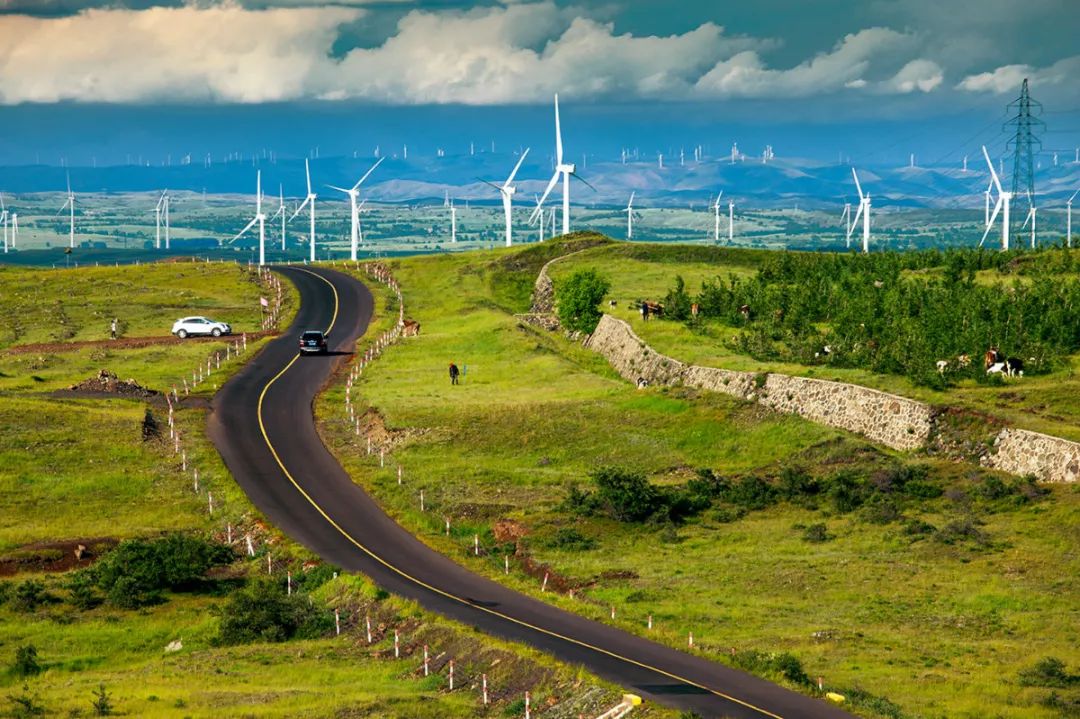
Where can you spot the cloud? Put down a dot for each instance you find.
(1008, 78)
(845, 66)
(921, 75)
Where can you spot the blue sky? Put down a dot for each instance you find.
(872, 63)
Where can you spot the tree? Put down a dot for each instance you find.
(102, 703)
(264, 613)
(627, 495)
(578, 299)
(677, 302)
(26, 661)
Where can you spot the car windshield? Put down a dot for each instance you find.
(312, 336)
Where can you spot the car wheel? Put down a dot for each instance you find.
(216, 331)
(182, 334)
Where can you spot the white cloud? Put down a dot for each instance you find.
(921, 75)
(220, 52)
(1008, 78)
(745, 74)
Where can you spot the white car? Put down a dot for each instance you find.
(190, 326)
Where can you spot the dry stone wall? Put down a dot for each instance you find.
(1023, 452)
(888, 419)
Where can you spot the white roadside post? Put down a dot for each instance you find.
(425, 660)
(250, 546)
(397, 645)
(337, 622)
(367, 625)
(451, 675)
(483, 688)
(210, 503)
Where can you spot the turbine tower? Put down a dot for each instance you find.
(716, 218)
(4, 221)
(864, 211)
(563, 170)
(69, 205)
(730, 221)
(1068, 220)
(630, 218)
(539, 215)
(1024, 143)
(259, 219)
(1000, 207)
(354, 194)
(281, 211)
(849, 226)
(507, 191)
(1030, 218)
(308, 202)
(453, 222)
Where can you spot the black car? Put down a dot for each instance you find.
(313, 342)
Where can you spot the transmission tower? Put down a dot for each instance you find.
(1024, 143)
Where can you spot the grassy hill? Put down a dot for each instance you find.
(916, 587)
(77, 468)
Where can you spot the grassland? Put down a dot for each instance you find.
(932, 623)
(75, 469)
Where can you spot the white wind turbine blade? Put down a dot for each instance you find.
(630, 204)
(246, 228)
(858, 215)
(492, 184)
(368, 173)
(993, 217)
(258, 192)
(558, 133)
(1074, 196)
(857, 185)
(300, 208)
(516, 168)
(993, 172)
(547, 191)
(340, 189)
(716, 205)
(307, 173)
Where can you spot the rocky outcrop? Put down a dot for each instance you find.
(1023, 452)
(887, 419)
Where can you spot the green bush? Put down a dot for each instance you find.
(677, 301)
(83, 590)
(782, 663)
(1048, 672)
(26, 661)
(102, 703)
(136, 572)
(846, 491)
(579, 297)
(625, 495)
(264, 613)
(29, 595)
(796, 482)
(816, 534)
(569, 539)
(751, 492)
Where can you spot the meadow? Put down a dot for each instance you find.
(77, 468)
(917, 587)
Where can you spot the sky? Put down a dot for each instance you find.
(655, 72)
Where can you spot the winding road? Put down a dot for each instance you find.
(262, 423)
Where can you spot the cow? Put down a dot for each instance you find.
(642, 383)
(942, 367)
(1011, 367)
(992, 357)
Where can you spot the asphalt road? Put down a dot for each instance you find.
(262, 423)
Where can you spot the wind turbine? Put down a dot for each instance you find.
(565, 170)
(507, 191)
(308, 202)
(14, 227)
(161, 211)
(539, 215)
(281, 211)
(864, 212)
(69, 204)
(259, 218)
(354, 194)
(730, 220)
(630, 218)
(1068, 220)
(453, 222)
(1030, 218)
(716, 216)
(4, 221)
(849, 226)
(1001, 206)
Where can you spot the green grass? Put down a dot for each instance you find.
(77, 468)
(939, 629)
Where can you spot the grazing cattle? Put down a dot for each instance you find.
(1011, 367)
(823, 352)
(695, 309)
(642, 383)
(654, 308)
(942, 366)
(963, 361)
(411, 328)
(611, 303)
(992, 357)
(745, 311)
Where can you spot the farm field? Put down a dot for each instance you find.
(914, 586)
(77, 468)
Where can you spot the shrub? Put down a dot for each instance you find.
(29, 595)
(783, 663)
(846, 491)
(136, 572)
(102, 703)
(961, 530)
(918, 528)
(263, 613)
(751, 492)
(816, 534)
(26, 661)
(1048, 672)
(707, 484)
(569, 539)
(626, 495)
(796, 481)
(579, 297)
(82, 589)
(677, 301)
(25, 705)
(579, 502)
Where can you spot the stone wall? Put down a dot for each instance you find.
(894, 421)
(1022, 452)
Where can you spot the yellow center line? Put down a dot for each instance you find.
(436, 590)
